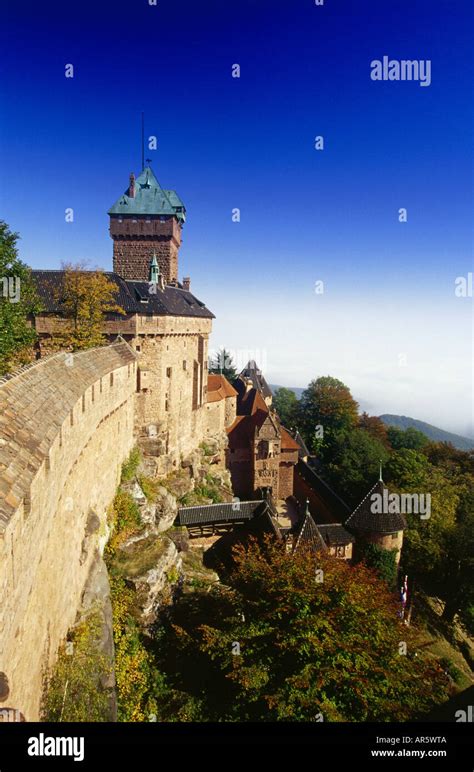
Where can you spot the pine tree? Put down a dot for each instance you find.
(223, 364)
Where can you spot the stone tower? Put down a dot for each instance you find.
(378, 520)
(146, 220)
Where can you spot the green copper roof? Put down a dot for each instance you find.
(150, 198)
(154, 270)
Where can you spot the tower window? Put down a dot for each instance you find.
(168, 372)
(185, 365)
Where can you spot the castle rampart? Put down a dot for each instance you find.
(66, 425)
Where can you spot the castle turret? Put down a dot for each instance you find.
(146, 219)
(378, 520)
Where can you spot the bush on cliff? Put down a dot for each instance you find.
(74, 691)
(282, 645)
(130, 466)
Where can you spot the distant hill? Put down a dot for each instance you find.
(297, 389)
(438, 435)
(403, 422)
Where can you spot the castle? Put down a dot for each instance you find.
(68, 422)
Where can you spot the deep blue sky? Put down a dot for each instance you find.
(249, 143)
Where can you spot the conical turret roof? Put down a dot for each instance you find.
(378, 512)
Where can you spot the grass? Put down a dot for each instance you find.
(130, 466)
(207, 490)
(140, 557)
(207, 450)
(149, 487)
(440, 643)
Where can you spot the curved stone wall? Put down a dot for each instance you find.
(66, 426)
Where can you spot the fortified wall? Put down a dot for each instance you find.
(66, 426)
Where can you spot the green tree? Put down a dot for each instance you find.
(222, 364)
(18, 301)
(406, 438)
(326, 408)
(282, 645)
(458, 566)
(355, 464)
(407, 469)
(425, 540)
(285, 403)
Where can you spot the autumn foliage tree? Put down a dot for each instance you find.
(299, 639)
(85, 297)
(375, 427)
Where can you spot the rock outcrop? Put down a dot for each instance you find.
(151, 563)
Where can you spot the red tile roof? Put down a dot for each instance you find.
(218, 387)
(287, 441)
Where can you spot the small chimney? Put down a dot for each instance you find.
(186, 283)
(131, 189)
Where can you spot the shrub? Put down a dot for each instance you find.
(450, 668)
(130, 466)
(124, 518)
(74, 691)
(382, 561)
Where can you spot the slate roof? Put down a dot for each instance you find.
(303, 448)
(150, 198)
(208, 514)
(255, 374)
(308, 536)
(335, 535)
(134, 297)
(364, 518)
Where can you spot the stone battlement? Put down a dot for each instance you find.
(35, 403)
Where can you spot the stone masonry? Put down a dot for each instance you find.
(66, 426)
